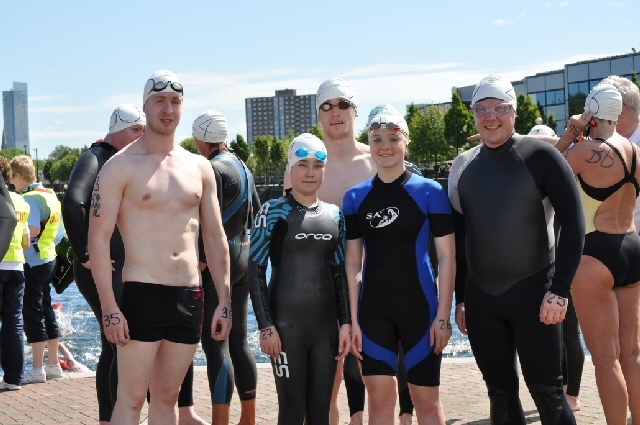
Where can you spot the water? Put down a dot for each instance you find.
(81, 334)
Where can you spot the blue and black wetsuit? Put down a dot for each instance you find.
(503, 200)
(306, 297)
(395, 221)
(231, 359)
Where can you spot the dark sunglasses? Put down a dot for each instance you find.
(161, 85)
(304, 153)
(343, 104)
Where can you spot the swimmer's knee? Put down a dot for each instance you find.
(499, 402)
(549, 401)
(247, 395)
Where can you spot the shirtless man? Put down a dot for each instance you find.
(159, 195)
(348, 163)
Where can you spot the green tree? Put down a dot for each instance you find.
(241, 148)
(261, 147)
(412, 110)
(551, 122)
(46, 169)
(61, 170)
(11, 153)
(61, 151)
(428, 143)
(458, 123)
(634, 78)
(278, 156)
(190, 144)
(363, 137)
(527, 114)
(316, 130)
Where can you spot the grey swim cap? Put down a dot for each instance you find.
(125, 116)
(497, 87)
(210, 127)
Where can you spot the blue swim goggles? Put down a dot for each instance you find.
(304, 153)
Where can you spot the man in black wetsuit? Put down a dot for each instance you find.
(229, 359)
(512, 283)
(127, 123)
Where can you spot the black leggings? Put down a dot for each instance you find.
(231, 360)
(107, 369)
(499, 326)
(356, 390)
(573, 360)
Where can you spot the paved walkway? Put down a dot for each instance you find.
(72, 400)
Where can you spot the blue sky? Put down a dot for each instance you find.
(83, 58)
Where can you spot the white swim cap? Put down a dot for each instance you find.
(306, 146)
(210, 127)
(496, 87)
(541, 130)
(387, 116)
(604, 102)
(161, 81)
(125, 116)
(335, 88)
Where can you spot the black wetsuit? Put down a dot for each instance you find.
(231, 359)
(506, 261)
(395, 221)
(8, 219)
(306, 297)
(75, 215)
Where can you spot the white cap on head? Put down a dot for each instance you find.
(541, 130)
(604, 102)
(496, 87)
(335, 88)
(125, 116)
(161, 81)
(385, 114)
(306, 146)
(210, 127)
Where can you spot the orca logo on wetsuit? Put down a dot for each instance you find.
(316, 236)
(383, 218)
(281, 366)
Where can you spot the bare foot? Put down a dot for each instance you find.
(187, 416)
(357, 419)
(406, 419)
(574, 402)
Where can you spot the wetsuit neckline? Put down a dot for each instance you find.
(401, 180)
(313, 209)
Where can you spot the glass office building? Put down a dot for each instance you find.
(16, 118)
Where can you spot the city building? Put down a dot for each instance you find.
(279, 114)
(16, 118)
(563, 92)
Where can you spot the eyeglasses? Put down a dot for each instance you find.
(343, 104)
(304, 153)
(500, 109)
(161, 85)
(389, 125)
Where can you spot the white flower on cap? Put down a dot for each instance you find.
(496, 87)
(210, 127)
(604, 102)
(335, 88)
(171, 83)
(306, 146)
(125, 116)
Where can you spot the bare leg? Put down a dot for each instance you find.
(629, 307)
(382, 392)
(334, 410)
(187, 416)
(52, 358)
(220, 414)
(357, 418)
(171, 364)
(38, 353)
(426, 401)
(597, 308)
(406, 419)
(574, 401)
(247, 412)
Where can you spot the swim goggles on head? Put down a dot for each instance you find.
(161, 85)
(304, 153)
(500, 109)
(376, 125)
(343, 104)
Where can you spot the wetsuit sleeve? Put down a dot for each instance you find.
(439, 211)
(8, 219)
(259, 252)
(460, 231)
(339, 276)
(76, 201)
(219, 191)
(558, 182)
(350, 212)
